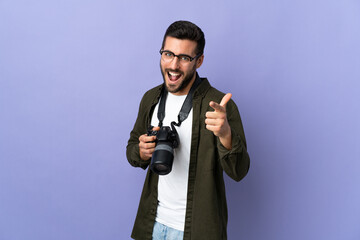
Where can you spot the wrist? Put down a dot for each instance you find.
(226, 139)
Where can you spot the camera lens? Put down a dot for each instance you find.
(162, 159)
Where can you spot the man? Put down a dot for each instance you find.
(189, 202)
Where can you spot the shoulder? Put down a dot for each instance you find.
(153, 92)
(215, 95)
(206, 91)
(151, 95)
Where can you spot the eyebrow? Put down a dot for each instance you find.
(181, 54)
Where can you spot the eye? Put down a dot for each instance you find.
(185, 58)
(168, 54)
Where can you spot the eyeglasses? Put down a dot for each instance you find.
(168, 56)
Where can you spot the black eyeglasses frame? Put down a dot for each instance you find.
(180, 55)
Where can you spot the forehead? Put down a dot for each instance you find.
(180, 46)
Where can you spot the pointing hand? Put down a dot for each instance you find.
(217, 122)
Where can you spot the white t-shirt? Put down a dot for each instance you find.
(172, 188)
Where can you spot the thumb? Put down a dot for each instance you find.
(225, 99)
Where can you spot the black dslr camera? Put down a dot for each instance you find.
(166, 140)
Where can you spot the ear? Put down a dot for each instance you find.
(199, 61)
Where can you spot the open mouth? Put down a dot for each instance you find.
(174, 76)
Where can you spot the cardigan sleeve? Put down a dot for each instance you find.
(235, 162)
(132, 149)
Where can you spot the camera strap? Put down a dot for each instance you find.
(185, 109)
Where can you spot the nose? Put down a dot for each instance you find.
(175, 63)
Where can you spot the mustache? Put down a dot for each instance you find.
(173, 70)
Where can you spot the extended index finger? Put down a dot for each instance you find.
(225, 99)
(217, 107)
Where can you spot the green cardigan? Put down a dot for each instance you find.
(206, 210)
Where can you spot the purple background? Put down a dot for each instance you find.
(72, 74)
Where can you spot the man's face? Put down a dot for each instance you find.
(179, 76)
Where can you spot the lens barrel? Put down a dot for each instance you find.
(162, 159)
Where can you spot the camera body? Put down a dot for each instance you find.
(162, 158)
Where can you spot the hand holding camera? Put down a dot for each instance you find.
(147, 145)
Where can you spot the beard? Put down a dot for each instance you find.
(183, 84)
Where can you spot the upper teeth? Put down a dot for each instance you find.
(174, 74)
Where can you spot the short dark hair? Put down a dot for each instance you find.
(186, 30)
